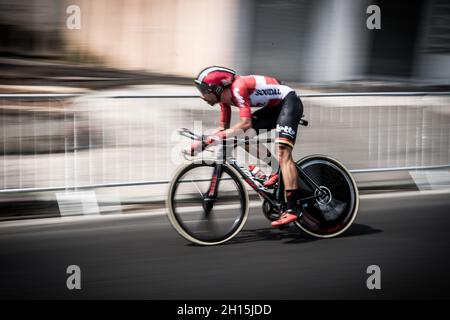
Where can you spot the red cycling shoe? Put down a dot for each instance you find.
(286, 218)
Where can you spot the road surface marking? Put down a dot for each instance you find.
(83, 218)
(162, 212)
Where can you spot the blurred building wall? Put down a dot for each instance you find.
(166, 36)
(393, 47)
(303, 40)
(322, 40)
(433, 49)
(31, 28)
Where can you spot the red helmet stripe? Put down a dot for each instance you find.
(207, 71)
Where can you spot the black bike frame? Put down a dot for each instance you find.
(275, 198)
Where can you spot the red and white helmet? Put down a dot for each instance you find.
(214, 79)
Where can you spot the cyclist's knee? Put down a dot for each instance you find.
(283, 153)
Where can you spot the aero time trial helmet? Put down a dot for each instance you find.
(214, 79)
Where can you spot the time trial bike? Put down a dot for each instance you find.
(208, 201)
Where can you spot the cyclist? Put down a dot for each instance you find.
(282, 110)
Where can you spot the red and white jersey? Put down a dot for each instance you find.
(253, 91)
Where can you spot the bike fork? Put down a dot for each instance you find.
(214, 184)
(211, 196)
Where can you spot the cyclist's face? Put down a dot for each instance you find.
(210, 98)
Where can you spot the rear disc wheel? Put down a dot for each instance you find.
(336, 205)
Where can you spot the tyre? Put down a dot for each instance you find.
(198, 219)
(335, 211)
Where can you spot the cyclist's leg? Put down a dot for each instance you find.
(288, 167)
(287, 126)
(264, 120)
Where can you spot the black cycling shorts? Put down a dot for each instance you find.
(284, 117)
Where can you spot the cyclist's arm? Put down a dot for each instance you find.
(237, 130)
(241, 126)
(225, 117)
(223, 126)
(242, 100)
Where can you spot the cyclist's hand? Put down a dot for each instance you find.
(198, 146)
(195, 148)
(211, 140)
(206, 141)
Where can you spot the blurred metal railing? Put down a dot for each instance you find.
(146, 183)
(145, 96)
(109, 141)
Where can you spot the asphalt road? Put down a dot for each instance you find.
(142, 257)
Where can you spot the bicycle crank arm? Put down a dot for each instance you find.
(310, 198)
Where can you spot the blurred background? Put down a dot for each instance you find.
(116, 53)
(301, 41)
(91, 95)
